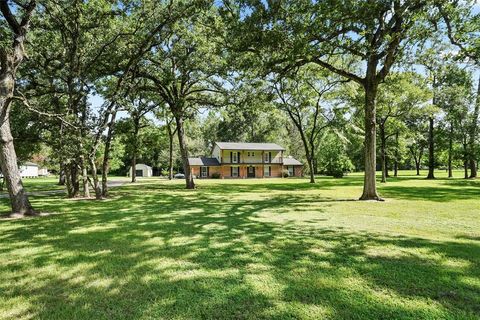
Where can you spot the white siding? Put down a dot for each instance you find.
(147, 171)
(216, 153)
(28, 171)
(255, 156)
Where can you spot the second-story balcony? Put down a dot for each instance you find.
(251, 161)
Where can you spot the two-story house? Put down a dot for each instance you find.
(245, 160)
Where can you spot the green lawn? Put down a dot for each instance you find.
(38, 184)
(275, 249)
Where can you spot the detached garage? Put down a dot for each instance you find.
(141, 170)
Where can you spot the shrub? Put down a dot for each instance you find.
(333, 157)
(216, 175)
(336, 173)
(285, 173)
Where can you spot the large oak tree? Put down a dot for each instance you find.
(290, 33)
(14, 25)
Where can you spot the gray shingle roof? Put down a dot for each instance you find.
(203, 161)
(248, 146)
(289, 161)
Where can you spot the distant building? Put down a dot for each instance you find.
(141, 170)
(29, 170)
(43, 172)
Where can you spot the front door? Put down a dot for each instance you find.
(251, 172)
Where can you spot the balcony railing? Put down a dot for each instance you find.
(252, 161)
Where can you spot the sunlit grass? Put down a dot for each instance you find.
(278, 248)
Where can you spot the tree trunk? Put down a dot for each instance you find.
(190, 184)
(170, 151)
(465, 156)
(369, 185)
(68, 181)
(431, 149)
(382, 152)
(387, 174)
(8, 158)
(311, 168)
(308, 147)
(96, 182)
(417, 160)
(106, 155)
(83, 166)
(308, 153)
(450, 151)
(133, 166)
(473, 135)
(61, 175)
(395, 163)
(420, 156)
(10, 59)
(136, 124)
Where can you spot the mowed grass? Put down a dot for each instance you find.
(248, 249)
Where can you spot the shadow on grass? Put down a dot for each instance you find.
(427, 193)
(161, 253)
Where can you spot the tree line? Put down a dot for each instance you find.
(345, 85)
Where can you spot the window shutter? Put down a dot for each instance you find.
(270, 157)
(231, 171)
(208, 171)
(231, 156)
(269, 171)
(238, 157)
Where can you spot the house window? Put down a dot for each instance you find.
(267, 157)
(250, 170)
(204, 172)
(253, 154)
(267, 171)
(234, 157)
(234, 171)
(248, 153)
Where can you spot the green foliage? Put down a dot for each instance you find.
(117, 154)
(332, 157)
(28, 132)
